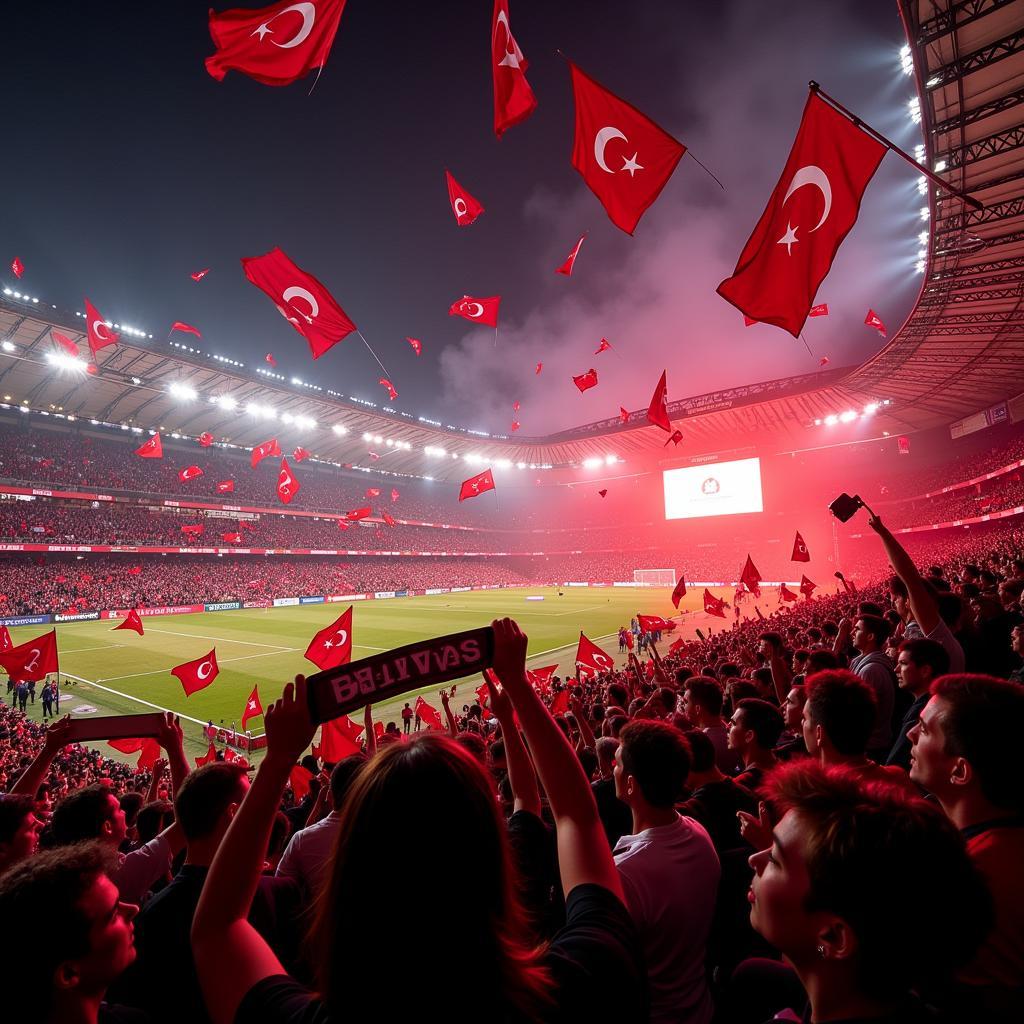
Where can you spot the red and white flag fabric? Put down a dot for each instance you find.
(65, 343)
(287, 485)
(225, 486)
(750, 577)
(300, 298)
(231, 538)
(813, 208)
(800, 552)
(6, 643)
(807, 587)
(562, 701)
(590, 659)
(189, 473)
(146, 747)
(394, 494)
(785, 594)
(623, 156)
(465, 207)
(193, 530)
(253, 707)
(205, 439)
(274, 45)
(479, 311)
(99, 333)
(823, 361)
(388, 518)
(657, 411)
(820, 310)
(17, 268)
(300, 453)
(417, 345)
(132, 621)
(197, 675)
(623, 414)
(680, 591)
(264, 451)
(392, 393)
(514, 426)
(713, 605)
(654, 624)
(270, 360)
(540, 678)
(185, 328)
(476, 485)
(339, 738)
(151, 449)
(372, 492)
(676, 438)
(332, 646)
(198, 275)
(210, 756)
(586, 381)
(875, 321)
(540, 366)
(428, 714)
(358, 513)
(603, 347)
(32, 660)
(570, 260)
(513, 98)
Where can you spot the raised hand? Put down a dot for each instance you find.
(510, 654)
(289, 727)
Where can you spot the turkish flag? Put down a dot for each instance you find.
(476, 485)
(392, 393)
(287, 485)
(586, 381)
(785, 594)
(205, 439)
(208, 758)
(253, 707)
(570, 260)
(270, 360)
(823, 361)
(197, 675)
(358, 513)
(300, 298)
(133, 621)
(187, 328)
(541, 677)
(372, 492)
(800, 552)
(540, 366)
(677, 436)
(338, 739)
(807, 587)
(428, 714)
(299, 779)
(679, 592)
(32, 660)
(513, 98)
(388, 518)
(198, 275)
(5, 639)
(193, 530)
(394, 494)
(274, 45)
(332, 646)
(603, 347)
(99, 334)
(590, 659)
(151, 449)
(608, 130)
(263, 451)
(750, 577)
(189, 473)
(147, 748)
(623, 414)
(464, 206)
(560, 704)
(479, 311)
(514, 426)
(713, 605)
(657, 411)
(813, 208)
(231, 538)
(225, 486)
(875, 321)
(17, 268)
(300, 453)
(654, 624)
(820, 310)
(65, 343)
(417, 345)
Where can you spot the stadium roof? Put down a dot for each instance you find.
(960, 350)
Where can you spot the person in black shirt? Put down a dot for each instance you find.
(754, 729)
(615, 815)
(918, 662)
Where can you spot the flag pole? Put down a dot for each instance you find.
(806, 346)
(374, 354)
(689, 153)
(889, 144)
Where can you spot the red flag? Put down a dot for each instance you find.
(570, 260)
(208, 758)
(372, 492)
(800, 552)
(274, 45)
(151, 449)
(464, 206)
(603, 347)
(560, 704)
(750, 577)
(299, 779)
(338, 739)
(875, 321)
(269, 358)
(540, 366)
(677, 436)
(186, 328)
(590, 659)
(225, 486)
(623, 414)
(392, 393)
(513, 98)
(99, 333)
(807, 587)
(654, 624)
(394, 494)
(713, 605)
(903, 445)
(586, 381)
(135, 570)
(5, 639)
(476, 485)
(198, 275)
(132, 621)
(657, 411)
(388, 518)
(608, 130)
(32, 660)
(193, 530)
(679, 592)
(205, 439)
(197, 675)
(17, 268)
(514, 426)
(795, 241)
(300, 453)
(253, 707)
(287, 485)
(479, 311)
(823, 361)
(231, 538)
(332, 646)
(428, 714)
(358, 513)
(820, 310)
(189, 473)
(263, 451)
(65, 343)
(147, 748)
(417, 345)
(786, 594)
(603, 492)
(541, 677)
(342, 525)
(300, 298)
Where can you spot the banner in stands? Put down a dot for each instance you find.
(76, 616)
(383, 595)
(436, 590)
(335, 598)
(311, 600)
(180, 609)
(258, 604)
(223, 606)
(26, 620)
(285, 602)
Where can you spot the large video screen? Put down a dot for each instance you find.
(715, 489)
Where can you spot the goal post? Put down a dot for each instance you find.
(655, 577)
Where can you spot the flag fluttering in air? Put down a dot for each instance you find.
(513, 98)
(270, 360)
(586, 381)
(205, 439)
(394, 494)
(570, 260)
(264, 451)
(623, 414)
(178, 325)
(657, 411)
(750, 577)
(32, 660)
(820, 310)
(66, 343)
(603, 347)
(680, 591)
(151, 449)
(540, 366)
(198, 275)
(603, 492)
(785, 594)
(478, 311)
(189, 473)
(146, 747)
(654, 624)
(253, 707)
(358, 513)
(197, 675)
(392, 393)
(192, 530)
(98, 330)
(428, 714)
(225, 486)
(417, 345)
(465, 206)
(713, 605)
(677, 436)
(807, 587)
(17, 268)
(800, 552)
(211, 755)
(388, 518)
(476, 485)
(372, 492)
(875, 321)
(332, 645)
(590, 659)
(300, 453)
(231, 538)
(338, 739)
(287, 485)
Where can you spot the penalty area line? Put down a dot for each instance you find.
(128, 696)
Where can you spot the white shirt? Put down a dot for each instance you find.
(670, 879)
(139, 870)
(308, 853)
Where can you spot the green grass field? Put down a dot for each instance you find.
(117, 672)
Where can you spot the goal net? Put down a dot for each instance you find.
(654, 577)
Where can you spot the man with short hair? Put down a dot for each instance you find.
(19, 829)
(918, 664)
(669, 871)
(873, 666)
(754, 729)
(615, 816)
(702, 705)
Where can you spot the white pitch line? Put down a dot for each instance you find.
(127, 696)
(77, 650)
(220, 639)
(551, 650)
(225, 661)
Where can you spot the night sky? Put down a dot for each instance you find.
(127, 166)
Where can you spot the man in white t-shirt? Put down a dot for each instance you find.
(669, 871)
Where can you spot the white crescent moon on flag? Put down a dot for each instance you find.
(469, 309)
(308, 12)
(208, 665)
(99, 328)
(460, 208)
(601, 139)
(511, 58)
(812, 175)
(290, 294)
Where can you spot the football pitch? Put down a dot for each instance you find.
(105, 672)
